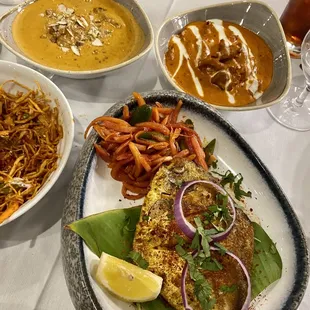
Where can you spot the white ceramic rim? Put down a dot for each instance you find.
(79, 73)
(64, 156)
(242, 108)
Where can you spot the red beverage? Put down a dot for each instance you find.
(296, 23)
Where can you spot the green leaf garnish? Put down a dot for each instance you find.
(234, 182)
(106, 232)
(204, 238)
(211, 264)
(138, 259)
(228, 289)
(180, 240)
(202, 287)
(221, 248)
(267, 263)
(239, 193)
(195, 245)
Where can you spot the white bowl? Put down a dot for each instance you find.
(251, 14)
(6, 38)
(29, 77)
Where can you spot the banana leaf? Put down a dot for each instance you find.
(267, 263)
(113, 232)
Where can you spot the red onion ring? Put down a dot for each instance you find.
(187, 228)
(247, 301)
(183, 288)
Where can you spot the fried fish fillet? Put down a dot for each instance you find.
(155, 238)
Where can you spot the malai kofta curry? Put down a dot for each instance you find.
(220, 62)
(77, 35)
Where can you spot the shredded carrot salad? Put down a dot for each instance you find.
(137, 145)
(29, 135)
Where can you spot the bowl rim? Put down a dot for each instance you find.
(67, 147)
(228, 4)
(82, 73)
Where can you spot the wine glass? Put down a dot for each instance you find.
(294, 110)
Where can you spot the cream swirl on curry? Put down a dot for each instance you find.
(221, 62)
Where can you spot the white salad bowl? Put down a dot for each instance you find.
(30, 78)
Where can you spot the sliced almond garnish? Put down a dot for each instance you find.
(80, 23)
(75, 50)
(84, 21)
(97, 42)
(65, 49)
(62, 8)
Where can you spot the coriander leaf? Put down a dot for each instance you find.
(221, 248)
(180, 240)
(195, 245)
(138, 259)
(228, 289)
(238, 191)
(210, 232)
(211, 264)
(213, 208)
(204, 239)
(145, 217)
(228, 178)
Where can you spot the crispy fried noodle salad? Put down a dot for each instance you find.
(29, 135)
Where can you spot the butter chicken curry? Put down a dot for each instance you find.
(220, 62)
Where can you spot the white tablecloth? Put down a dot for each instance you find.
(31, 275)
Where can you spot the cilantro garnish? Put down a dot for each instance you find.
(180, 240)
(228, 289)
(221, 248)
(234, 182)
(211, 264)
(202, 287)
(237, 190)
(204, 238)
(138, 259)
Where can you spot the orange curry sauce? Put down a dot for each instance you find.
(220, 62)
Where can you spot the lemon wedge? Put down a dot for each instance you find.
(127, 281)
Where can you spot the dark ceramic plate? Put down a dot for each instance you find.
(92, 190)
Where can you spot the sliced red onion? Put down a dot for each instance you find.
(183, 288)
(247, 301)
(187, 228)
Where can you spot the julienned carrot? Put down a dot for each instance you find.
(158, 146)
(200, 159)
(154, 126)
(139, 98)
(135, 153)
(155, 115)
(126, 114)
(119, 128)
(181, 154)
(102, 153)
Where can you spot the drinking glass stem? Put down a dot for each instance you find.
(302, 97)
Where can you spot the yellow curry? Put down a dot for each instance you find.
(77, 35)
(220, 62)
